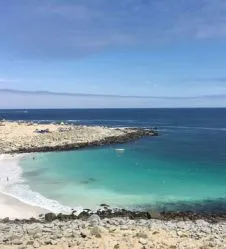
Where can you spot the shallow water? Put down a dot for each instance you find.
(183, 168)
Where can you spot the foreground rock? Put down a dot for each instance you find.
(113, 233)
(22, 137)
(94, 217)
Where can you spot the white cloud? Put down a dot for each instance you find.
(20, 100)
(75, 28)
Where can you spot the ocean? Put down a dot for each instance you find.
(184, 168)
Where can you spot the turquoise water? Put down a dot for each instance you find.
(182, 169)
(127, 179)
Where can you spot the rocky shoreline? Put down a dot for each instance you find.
(116, 228)
(26, 137)
(94, 231)
(105, 228)
(105, 212)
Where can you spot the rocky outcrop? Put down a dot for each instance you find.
(25, 138)
(113, 233)
(106, 212)
(135, 215)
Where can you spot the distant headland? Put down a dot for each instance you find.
(26, 137)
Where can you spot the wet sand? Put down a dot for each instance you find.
(14, 209)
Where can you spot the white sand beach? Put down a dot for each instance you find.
(79, 234)
(10, 206)
(14, 209)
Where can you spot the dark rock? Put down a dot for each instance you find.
(65, 217)
(42, 131)
(33, 220)
(83, 235)
(84, 215)
(104, 205)
(50, 217)
(106, 212)
(87, 210)
(6, 220)
(154, 214)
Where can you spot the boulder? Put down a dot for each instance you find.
(36, 244)
(96, 231)
(94, 220)
(50, 217)
(143, 241)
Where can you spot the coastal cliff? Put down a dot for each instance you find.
(24, 137)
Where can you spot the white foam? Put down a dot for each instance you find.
(10, 173)
(194, 128)
(12, 183)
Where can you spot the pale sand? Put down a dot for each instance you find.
(15, 130)
(14, 209)
(10, 206)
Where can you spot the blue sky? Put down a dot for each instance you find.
(164, 48)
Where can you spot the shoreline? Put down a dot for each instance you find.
(171, 215)
(9, 201)
(28, 137)
(21, 138)
(12, 206)
(104, 228)
(21, 196)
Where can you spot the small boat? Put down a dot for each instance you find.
(120, 150)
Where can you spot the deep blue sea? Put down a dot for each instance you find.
(182, 169)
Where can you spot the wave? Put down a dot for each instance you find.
(13, 111)
(193, 128)
(14, 185)
(23, 193)
(107, 120)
